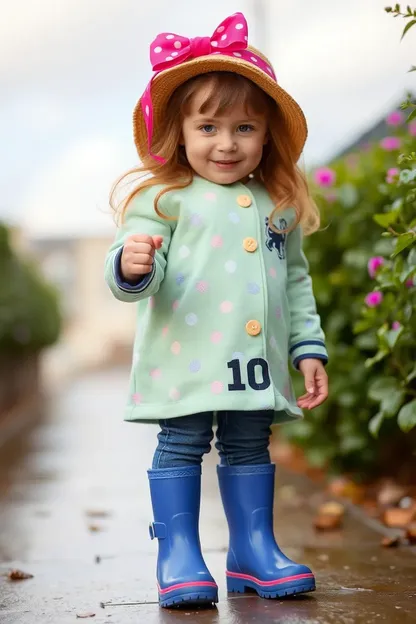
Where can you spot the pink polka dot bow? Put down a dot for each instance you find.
(169, 49)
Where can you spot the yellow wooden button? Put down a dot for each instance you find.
(253, 328)
(250, 244)
(244, 201)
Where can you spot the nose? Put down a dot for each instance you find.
(226, 142)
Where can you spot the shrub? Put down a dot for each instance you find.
(29, 311)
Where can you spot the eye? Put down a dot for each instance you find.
(245, 128)
(207, 128)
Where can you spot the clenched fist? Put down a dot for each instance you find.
(138, 254)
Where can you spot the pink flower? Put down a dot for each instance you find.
(410, 283)
(374, 264)
(412, 128)
(390, 143)
(325, 176)
(392, 175)
(331, 197)
(374, 299)
(395, 118)
(395, 325)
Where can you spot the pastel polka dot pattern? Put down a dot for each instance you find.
(253, 288)
(309, 323)
(196, 219)
(273, 272)
(180, 278)
(176, 348)
(202, 286)
(216, 242)
(165, 331)
(174, 394)
(137, 398)
(156, 373)
(195, 366)
(175, 305)
(226, 307)
(151, 302)
(278, 312)
(234, 218)
(273, 342)
(237, 355)
(217, 387)
(184, 252)
(191, 319)
(216, 337)
(230, 266)
(210, 196)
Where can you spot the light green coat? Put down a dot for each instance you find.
(193, 350)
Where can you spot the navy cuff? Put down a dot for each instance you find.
(141, 283)
(310, 356)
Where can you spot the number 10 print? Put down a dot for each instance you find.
(252, 365)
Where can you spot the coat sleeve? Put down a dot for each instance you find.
(306, 339)
(140, 218)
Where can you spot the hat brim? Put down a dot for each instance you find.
(165, 83)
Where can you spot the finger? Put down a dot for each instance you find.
(140, 258)
(158, 241)
(142, 238)
(140, 269)
(144, 248)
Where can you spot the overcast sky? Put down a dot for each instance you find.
(71, 71)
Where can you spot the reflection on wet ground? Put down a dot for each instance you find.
(75, 510)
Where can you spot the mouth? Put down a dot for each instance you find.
(226, 164)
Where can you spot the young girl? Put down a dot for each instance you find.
(210, 245)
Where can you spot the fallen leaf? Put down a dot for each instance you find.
(94, 528)
(85, 615)
(345, 488)
(390, 542)
(390, 494)
(18, 575)
(97, 513)
(327, 522)
(411, 533)
(332, 509)
(399, 518)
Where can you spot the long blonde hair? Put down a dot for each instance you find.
(277, 171)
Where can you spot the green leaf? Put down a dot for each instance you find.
(412, 69)
(407, 416)
(413, 113)
(411, 258)
(375, 424)
(382, 387)
(408, 26)
(391, 403)
(411, 375)
(403, 241)
(380, 355)
(393, 335)
(386, 219)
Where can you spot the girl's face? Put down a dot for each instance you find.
(222, 148)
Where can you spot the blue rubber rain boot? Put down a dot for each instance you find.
(182, 576)
(254, 559)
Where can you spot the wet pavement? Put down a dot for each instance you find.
(74, 512)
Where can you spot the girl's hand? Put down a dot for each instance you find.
(138, 254)
(316, 383)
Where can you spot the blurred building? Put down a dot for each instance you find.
(98, 330)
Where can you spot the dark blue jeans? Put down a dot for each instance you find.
(242, 438)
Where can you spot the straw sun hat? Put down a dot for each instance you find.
(176, 59)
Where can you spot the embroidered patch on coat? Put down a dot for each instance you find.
(277, 240)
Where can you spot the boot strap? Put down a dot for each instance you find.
(157, 529)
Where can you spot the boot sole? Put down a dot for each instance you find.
(289, 586)
(191, 596)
